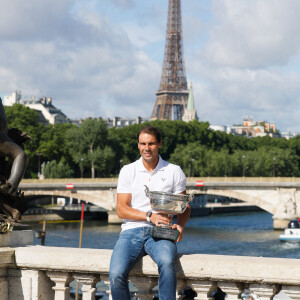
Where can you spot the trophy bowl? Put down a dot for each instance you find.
(168, 203)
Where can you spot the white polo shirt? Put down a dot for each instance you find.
(166, 177)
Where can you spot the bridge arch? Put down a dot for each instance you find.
(105, 199)
(246, 197)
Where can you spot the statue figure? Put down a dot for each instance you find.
(13, 161)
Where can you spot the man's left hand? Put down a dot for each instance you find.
(180, 229)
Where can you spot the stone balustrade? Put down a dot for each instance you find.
(37, 272)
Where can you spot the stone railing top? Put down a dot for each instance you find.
(6, 256)
(193, 266)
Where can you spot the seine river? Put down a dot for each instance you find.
(246, 234)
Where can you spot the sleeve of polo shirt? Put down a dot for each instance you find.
(179, 181)
(124, 184)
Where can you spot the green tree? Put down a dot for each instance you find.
(53, 144)
(88, 143)
(199, 150)
(53, 141)
(104, 161)
(191, 157)
(57, 170)
(126, 138)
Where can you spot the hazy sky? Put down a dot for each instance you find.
(103, 58)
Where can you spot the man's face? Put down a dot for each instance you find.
(148, 147)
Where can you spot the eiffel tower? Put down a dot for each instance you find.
(172, 95)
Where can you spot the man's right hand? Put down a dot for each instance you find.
(161, 219)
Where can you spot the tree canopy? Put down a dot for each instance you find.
(93, 150)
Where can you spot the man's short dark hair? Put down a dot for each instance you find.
(150, 130)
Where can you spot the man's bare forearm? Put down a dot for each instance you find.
(184, 217)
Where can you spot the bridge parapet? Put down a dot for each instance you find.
(244, 179)
(45, 273)
(189, 179)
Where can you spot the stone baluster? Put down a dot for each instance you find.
(292, 291)
(181, 284)
(88, 282)
(232, 289)
(61, 280)
(144, 286)
(202, 288)
(106, 280)
(3, 283)
(264, 291)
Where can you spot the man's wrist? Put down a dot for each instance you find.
(148, 215)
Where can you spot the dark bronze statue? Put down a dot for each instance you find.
(13, 161)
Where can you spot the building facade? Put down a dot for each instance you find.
(48, 113)
(250, 128)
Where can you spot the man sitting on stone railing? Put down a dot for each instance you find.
(133, 205)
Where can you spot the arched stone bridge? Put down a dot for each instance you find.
(278, 196)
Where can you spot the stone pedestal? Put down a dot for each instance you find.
(22, 235)
(279, 224)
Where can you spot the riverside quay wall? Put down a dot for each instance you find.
(40, 272)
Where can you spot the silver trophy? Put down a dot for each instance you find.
(169, 204)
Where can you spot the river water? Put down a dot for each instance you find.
(246, 234)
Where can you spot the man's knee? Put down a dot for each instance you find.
(116, 278)
(166, 262)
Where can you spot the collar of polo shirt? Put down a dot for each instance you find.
(159, 167)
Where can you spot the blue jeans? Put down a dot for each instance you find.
(131, 246)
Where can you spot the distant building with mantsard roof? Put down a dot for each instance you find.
(48, 113)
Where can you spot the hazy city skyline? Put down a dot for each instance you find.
(104, 58)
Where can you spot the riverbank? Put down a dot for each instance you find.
(222, 208)
(60, 213)
(219, 208)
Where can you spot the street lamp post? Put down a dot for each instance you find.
(274, 166)
(244, 171)
(191, 168)
(39, 154)
(81, 166)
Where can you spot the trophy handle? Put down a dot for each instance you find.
(147, 192)
(191, 196)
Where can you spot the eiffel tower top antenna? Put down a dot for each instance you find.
(172, 95)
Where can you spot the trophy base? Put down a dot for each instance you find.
(164, 233)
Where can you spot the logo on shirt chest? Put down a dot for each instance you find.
(163, 178)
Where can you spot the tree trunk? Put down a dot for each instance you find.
(93, 170)
(92, 164)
